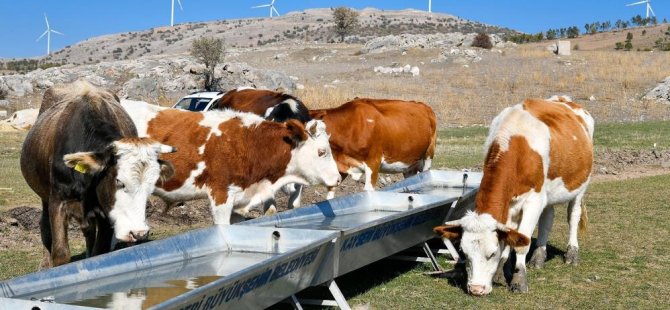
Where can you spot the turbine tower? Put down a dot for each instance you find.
(48, 34)
(648, 2)
(271, 5)
(430, 6)
(172, 15)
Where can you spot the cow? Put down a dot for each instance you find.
(273, 105)
(84, 160)
(539, 153)
(235, 159)
(369, 136)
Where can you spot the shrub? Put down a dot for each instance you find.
(482, 40)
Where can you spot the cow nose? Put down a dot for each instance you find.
(477, 290)
(140, 235)
(339, 180)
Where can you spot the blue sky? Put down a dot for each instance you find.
(22, 21)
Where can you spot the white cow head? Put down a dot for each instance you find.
(482, 240)
(127, 170)
(312, 159)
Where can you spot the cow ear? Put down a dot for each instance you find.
(297, 133)
(512, 237)
(167, 171)
(451, 232)
(85, 162)
(317, 114)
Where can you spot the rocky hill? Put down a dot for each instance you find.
(313, 25)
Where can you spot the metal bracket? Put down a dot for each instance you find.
(339, 300)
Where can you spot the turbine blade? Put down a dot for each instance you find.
(180, 7)
(42, 35)
(651, 10)
(273, 8)
(54, 31)
(46, 20)
(636, 3)
(273, 2)
(260, 6)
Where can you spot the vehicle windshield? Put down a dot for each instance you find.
(192, 104)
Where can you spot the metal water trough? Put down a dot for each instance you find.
(222, 267)
(257, 263)
(377, 225)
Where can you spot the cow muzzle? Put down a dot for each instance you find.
(135, 236)
(478, 290)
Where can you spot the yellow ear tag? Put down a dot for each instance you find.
(80, 168)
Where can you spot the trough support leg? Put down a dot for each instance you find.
(433, 260)
(452, 250)
(295, 302)
(337, 294)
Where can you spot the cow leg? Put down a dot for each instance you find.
(543, 229)
(60, 249)
(531, 210)
(295, 195)
(372, 173)
(45, 233)
(499, 277)
(89, 229)
(103, 238)
(574, 216)
(222, 212)
(269, 207)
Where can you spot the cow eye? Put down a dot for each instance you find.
(119, 185)
(322, 153)
(490, 256)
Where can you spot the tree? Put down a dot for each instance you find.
(551, 34)
(573, 32)
(482, 40)
(210, 52)
(629, 36)
(346, 21)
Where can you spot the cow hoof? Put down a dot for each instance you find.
(519, 282)
(538, 258)
(572, 256)
(272, 210)
(499, 278)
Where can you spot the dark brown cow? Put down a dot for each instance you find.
(237, 160)
(369, 136)
(272, 105)
(85, 161)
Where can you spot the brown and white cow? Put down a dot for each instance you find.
(237, 160)
(369, 136)
(540, 153)
(272, 105)
(84, 160)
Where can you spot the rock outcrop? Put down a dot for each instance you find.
(441, 40)
(148, 78)
(661, 92)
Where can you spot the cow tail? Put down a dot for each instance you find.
(583, 220)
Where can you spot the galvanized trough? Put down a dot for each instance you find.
(256, 263)
(222, 267)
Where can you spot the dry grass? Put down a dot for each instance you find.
(474, 94)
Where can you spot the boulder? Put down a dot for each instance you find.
(660, 93)
(22, 119)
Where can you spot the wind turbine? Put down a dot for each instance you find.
(271, 5)
(172, 15)
(430, 6)
(48, 34)
(648, 2)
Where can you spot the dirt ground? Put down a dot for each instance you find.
(20, 226)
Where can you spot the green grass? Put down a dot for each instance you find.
(459, 148)
(625, 262)
(13, 188)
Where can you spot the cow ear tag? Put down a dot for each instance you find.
(80, 168)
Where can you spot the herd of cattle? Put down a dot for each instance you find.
(96, 159)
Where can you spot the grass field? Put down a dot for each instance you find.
(625, 263)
